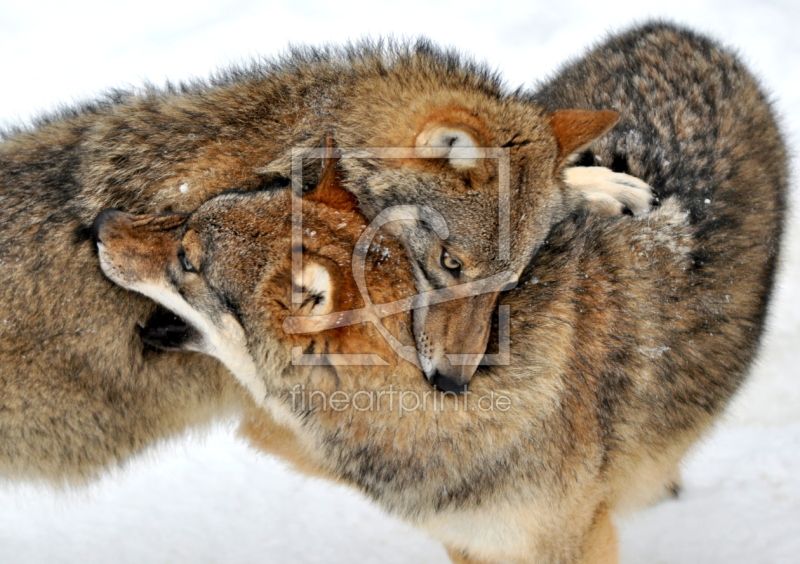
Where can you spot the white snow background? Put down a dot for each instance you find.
(211, 499)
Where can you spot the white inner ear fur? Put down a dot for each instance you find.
(316, 281)
(455, 144)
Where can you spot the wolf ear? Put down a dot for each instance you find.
(575, 130)
(317, 284)
(454, 143)
(452, 134)
(329, 189)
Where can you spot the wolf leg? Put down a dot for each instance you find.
(600, 544)
(266, 435)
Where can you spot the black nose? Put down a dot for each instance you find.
(445, 383)
(101, 218)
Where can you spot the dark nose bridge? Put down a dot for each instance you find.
(473, 323)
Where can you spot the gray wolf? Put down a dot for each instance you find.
(629, 336)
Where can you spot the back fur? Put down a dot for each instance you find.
(697, 127)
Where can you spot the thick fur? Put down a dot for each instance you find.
(629, 336)
(79, 389)
(697, 127)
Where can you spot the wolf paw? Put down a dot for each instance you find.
(609, 193)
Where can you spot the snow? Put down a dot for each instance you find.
(211, 499)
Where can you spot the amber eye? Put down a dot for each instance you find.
(185, 262)
(453, 265)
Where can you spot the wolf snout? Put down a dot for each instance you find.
(101, 221)
(448, 383)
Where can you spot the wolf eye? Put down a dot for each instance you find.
(453, 265)
(185, 263)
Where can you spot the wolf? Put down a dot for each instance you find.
(629, 336)
(81, 386)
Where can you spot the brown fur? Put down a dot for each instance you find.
(629, 337)
(471, 461)
(79, 390)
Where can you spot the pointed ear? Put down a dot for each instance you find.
(575, 130)
(329, 189)
(453, 134)
(319, 284)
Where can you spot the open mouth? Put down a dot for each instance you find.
(165, 331)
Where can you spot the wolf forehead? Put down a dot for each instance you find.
(263, 222)
(242, 233)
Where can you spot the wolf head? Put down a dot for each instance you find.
(227, 270)
(485, 176)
